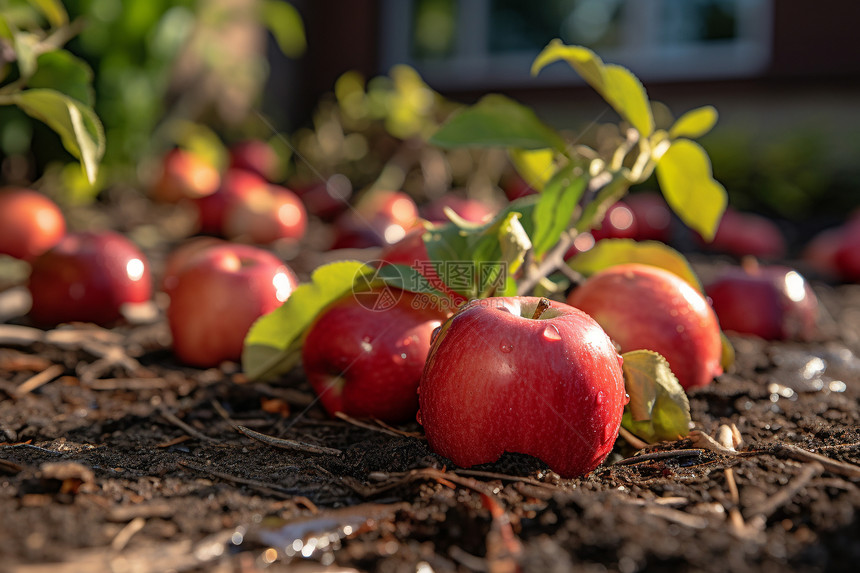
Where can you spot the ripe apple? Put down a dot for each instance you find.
(88, 277)
(364, 354)
(30, 223)
(772, 302)
(216, 297)
(379, 218)
(212, 210)
(748, 234)
(515, 187)
(505, 376)
(847, 257)
(266, 214)
(469, 209)
(652, 215)
(184, 175)
(642, 307)
(821, 251)
(181, 255)
(258, 157)
(618, 223)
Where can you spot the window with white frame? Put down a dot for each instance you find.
(466, 44)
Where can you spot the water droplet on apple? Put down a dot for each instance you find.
(418, 417)
(601, 398)
(608, 434)
(506, 347)
(551, 333)
(673, 312)
(680, 328)
(626, 398)
(366, 346)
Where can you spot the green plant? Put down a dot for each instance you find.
(47, 82)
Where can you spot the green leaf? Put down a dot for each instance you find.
(497, 121)
(658, 409)
(54, 12)
(685, 177)
(25, 51)
(62, 71)
(473, 257)
(617, 85)
(77, 125)
(695, 123)
(285, 23)
(406, 278)
(610, 252)
(555, 208)
(535, 166)
(273, 343)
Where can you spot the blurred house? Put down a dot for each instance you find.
(773, 68)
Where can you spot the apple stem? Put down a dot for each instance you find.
(542, 305)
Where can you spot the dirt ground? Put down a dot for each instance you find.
(114, 457)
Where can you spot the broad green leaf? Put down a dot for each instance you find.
(617, 85)
(25, 52)
(610, 252)
(695, 123)
(62, 71)
(285, 23)
(54, 12)
(658, 409)
(406, 278)
(272, 344)
(555, 208)
(514, 242)
(685, 177)
(535, 166)
(77, 125)
(497, 121)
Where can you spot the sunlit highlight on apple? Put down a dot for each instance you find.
(135, 269)
(283, 286)
(795, 286)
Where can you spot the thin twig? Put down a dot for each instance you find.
(773, 503)
(659, 456)
(286, 444)
(126, 533)
(170, 417)
(506, 477)
(268, 488)
(631, 439)
(833, 466)
(40, 379)
(350, 420)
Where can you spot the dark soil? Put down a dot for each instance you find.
(120, 459)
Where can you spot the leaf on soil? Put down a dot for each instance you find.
(658, 408)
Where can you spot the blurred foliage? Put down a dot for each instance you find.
(161, 70)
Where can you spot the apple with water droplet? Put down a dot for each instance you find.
(772, 302)
(364, 354)
(642, 307)
(88, 277)
(525, 375)
(217, 294)
(30, 223)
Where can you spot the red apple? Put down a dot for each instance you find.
(180, 256)
(325, 200)
(258, 157)
(469, 209)
(652, 215)
(216, 297)
(184, 175)
(30, 223)
(212, 210)
(618, 223)
(748, 234)
(643, 307)
(772, 302)
(821, 251)
(379, 218)
(847, 257)
(88, 277)
(515, 187)
(364, 354)
(266, 214)
(504, 377)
